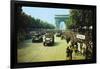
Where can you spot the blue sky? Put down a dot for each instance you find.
(45, 14)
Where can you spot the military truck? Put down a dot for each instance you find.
(37, 37)
(58, 34)
(48, 39)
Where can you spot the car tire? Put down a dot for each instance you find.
(32, 41)
(41, 40)
(44, 44)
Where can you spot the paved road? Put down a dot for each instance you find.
(36, 52)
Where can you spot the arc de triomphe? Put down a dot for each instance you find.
(59, 19)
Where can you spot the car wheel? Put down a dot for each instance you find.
(32, 41)
(41, 40)
(44, 44)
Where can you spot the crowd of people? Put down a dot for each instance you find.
(79, 47)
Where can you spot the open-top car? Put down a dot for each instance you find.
(58, 34)
(48, 39)
(37, 37)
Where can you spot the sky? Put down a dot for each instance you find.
(45, 14)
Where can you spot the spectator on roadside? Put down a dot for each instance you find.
(69, 52)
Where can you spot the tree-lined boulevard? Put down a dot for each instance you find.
(37, 52)
(72, 43)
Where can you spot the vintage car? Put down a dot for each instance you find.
(37, 37)
(58, 34)
(48, 39)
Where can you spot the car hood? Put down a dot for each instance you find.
(48, 38)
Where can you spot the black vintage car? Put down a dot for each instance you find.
(48, 39)
(37, 37)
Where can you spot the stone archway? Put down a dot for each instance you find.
(59, 19)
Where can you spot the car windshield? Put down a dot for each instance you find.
(37, 35)
(49, 35)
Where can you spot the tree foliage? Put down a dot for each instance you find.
(80, 17)
(26, 23)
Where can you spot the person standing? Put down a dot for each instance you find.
(69, 52)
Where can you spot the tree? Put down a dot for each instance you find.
(80, 18)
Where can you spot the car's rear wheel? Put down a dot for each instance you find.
(32, 40)
(44, 43)
(41, 39)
